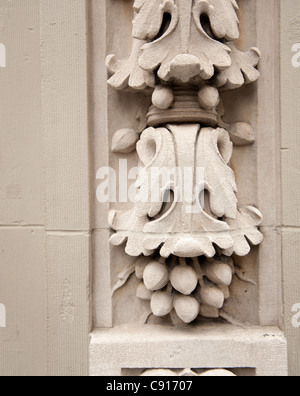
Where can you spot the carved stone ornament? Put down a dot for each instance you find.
(188, 373)
(185, 240)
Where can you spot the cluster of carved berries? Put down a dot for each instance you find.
(185, 288)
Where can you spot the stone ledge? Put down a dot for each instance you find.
(207, 346)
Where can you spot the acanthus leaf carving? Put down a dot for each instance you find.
(158, 149)
(222, 15)
(149, 18)
(185, 50)
(242, 70)
(214, 154)
(244, 231)
(186, 223)
(184, 40)
(127, 72)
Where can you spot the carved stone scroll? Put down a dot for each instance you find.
(186, 226)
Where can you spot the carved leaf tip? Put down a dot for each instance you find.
(244, 231)
(223, 18)
(123, 278)
(127, 72)
(149, 18)
(243, 69)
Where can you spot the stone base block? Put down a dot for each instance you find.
(257, 351)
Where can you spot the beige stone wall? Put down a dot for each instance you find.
(67, 192)
(290, 156)
(44, 188)
(45, 225)
(22, 231)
